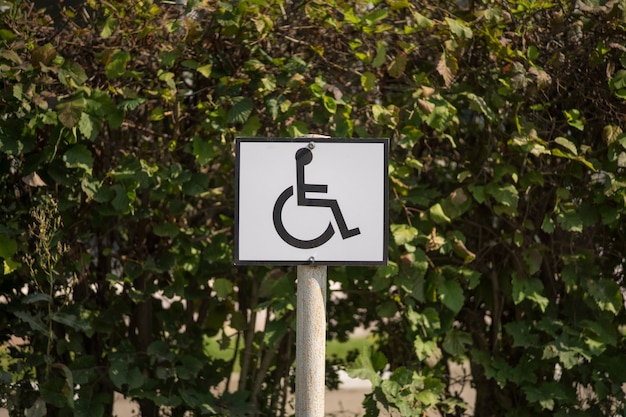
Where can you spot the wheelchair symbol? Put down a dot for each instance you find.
(304, 156)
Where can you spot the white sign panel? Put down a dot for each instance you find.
(313, 200)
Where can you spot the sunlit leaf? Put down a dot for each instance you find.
(567, 144)
(109, 27)
(205, 70)
(459, 29)
(381, 55)
(574, 118)
(403, 233)
(78, 156)
(368, 81)
(437, 214)
(367, 365)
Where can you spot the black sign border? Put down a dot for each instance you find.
(305, 140)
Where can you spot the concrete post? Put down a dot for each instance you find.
(310, 341)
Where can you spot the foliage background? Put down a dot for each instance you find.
(508, 194)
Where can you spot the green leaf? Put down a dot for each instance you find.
(437, 215)
(118, 371)
(545, 394)
(297, 129)
(130, 104)
(426, 397)
(222, 287)
(8, 247)
(381, 54)
(203, 150)
(574, 119)
(451, 294)
(116, 66)
(403, 233)
(10, 55)
(376, 16)
(455, 342)
(414, 163)
(251, 127)
(459, 248)
(422, 21)
(387, 309)
(18, 91)
(384, 276)
(598, 335)
(34, 322)
(78, 156)
(567, 144)
(441, 115)
(367, 365)
(240, 111)
(43, 54)
(205, 70)
(531, 289)
(532, 259)
(123, 200)
(273, 108)
(368, 81)
(199, 400)
(196, 185)
(569, 219)
(7, 35)
(9, 265)
(522, 333)
(478, 192)
(330, 104)
(506, 195)
(70, 111)
(72, 72)
(479, 104)
(459, 29)
(37, 298)
(606, 294)
(109, 27)
(398, 65)
(135, 378)
(618, 81)
(71, 320)
(166, 230)
(54, 390)
(87, 125)
(427, 350)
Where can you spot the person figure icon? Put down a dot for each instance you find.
(304, 156)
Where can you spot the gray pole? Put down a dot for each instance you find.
(310, 341)
(311, 337)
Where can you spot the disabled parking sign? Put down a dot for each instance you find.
(311, 201)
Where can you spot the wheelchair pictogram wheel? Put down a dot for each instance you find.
(286, 236)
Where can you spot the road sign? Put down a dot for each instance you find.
(311, 200)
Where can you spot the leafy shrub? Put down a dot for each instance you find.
(507, 173)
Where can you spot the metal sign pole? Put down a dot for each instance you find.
(311, 340)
